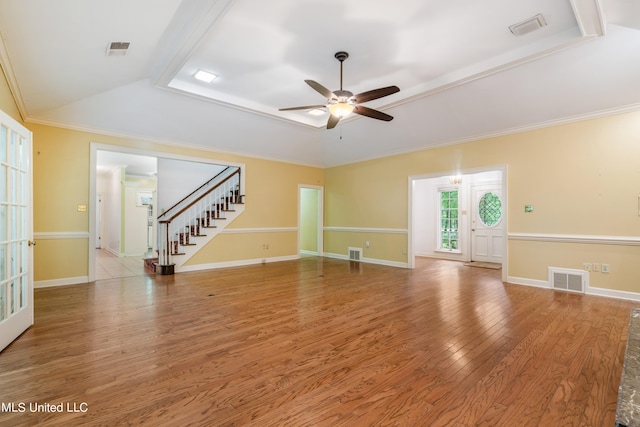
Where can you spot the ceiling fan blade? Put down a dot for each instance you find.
(333, 121)
(370, 112)
(320, 89)
(306, 107)
(376, 93)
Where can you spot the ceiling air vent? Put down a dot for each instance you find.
(529, 25)
(118, 48)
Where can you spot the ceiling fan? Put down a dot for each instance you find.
(341, 103)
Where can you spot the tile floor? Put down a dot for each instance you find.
(109, 266)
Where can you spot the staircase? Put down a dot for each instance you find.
(195, 220)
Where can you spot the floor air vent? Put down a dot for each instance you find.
(563, 279)
(355, 254)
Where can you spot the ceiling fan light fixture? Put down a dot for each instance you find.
(316, 112)
(342, 103)
(341, 109)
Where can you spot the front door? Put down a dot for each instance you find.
(16, 228)
(486, 223)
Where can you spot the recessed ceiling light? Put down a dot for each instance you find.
(317, 112)
(529, 25)
(205, 76)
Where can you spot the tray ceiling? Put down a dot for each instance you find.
(462, 73)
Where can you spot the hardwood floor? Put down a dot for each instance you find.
(318, 342)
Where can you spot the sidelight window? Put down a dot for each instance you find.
(448, 220)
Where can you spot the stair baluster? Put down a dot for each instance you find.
(182, 223)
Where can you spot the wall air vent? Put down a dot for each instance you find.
(563, 279)
(529, 25)
(118, 48)
(355, 254)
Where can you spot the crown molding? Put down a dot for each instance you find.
(12, 81)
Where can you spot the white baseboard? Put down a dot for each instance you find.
(443, 255)
(238, 263)
(369, 260)
(61, 282)
(113, 252)
(601, 292)
(611, 293)
(313, 253)
(529, 282)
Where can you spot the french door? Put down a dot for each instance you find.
(16, 228)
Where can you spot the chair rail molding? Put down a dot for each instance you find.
(577, 238)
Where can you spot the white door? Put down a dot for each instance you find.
(486, 223)
(16, 228)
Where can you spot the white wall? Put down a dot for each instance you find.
(113, 213)
(178, 178)
(102, 188)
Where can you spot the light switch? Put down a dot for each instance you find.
(82, 208)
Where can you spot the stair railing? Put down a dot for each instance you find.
(197, 212)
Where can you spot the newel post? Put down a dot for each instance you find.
(164, 267)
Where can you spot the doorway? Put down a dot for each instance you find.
(310, 220)
(123, 185)
(472, 224)
(170, 184)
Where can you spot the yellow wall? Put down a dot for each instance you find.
(583, 178)
(61, 182)
(309, 219)
(230, 247)
(271, 203)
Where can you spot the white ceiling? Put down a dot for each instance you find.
(133, 164)
(462, 74)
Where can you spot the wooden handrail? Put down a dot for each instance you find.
(194, 192)
(193, 202)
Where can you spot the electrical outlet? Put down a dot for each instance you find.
(366, 244)
(596, 267)
(587, 266)
(605, 268)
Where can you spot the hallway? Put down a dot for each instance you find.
(109, 266)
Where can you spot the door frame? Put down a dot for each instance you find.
(320, 229)
(411, 259)
(94, 147)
